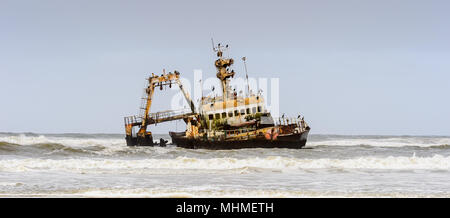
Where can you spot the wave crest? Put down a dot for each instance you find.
(283, 164)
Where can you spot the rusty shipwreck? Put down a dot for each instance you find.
(229, 121)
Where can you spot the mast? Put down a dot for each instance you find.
(246, 76)
(223, 70)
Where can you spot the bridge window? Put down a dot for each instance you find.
(217, 116)
(259, 109)
(211, 116)
(236, 113)
(224, 115)
(248, 110)
(230, 113)
(242, 112)
(254, 110)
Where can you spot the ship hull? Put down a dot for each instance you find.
(294, 141)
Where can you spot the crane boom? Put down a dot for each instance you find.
(153, 82)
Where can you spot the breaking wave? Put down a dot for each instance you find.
(176, 165)
(23, 139)
(41, 144)
(380, 141)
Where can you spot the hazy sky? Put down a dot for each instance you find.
(350, 67)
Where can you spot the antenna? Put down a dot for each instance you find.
(246, 75)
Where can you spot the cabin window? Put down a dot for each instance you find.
(217, 116)
(230, 114)
(248, 110)
(236, 113)
(254, 110)
(211, 116)
(259, 109)
(242, 112)
(224, 115)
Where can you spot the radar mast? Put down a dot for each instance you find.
(223, 68)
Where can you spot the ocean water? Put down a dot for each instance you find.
(101, 165)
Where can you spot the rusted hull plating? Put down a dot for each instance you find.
(296, 141)
(140, 141)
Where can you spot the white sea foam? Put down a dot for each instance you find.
(384, 142)
(101, 146)
(69, 141)
(284, 164)
(220, 193)
(10, 184)
(112, 157)
(213, 193)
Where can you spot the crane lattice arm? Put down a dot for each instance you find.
(163, 80)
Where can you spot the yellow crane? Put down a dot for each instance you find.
(144, 137)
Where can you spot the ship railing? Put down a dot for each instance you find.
(133, 120)
(168, 114)
(289, 121)
(157, 117)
